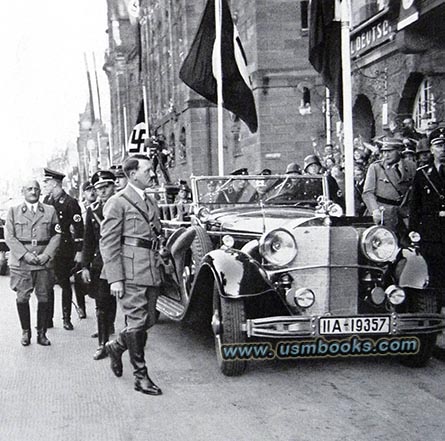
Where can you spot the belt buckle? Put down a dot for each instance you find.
(34, 242)
(442, 213)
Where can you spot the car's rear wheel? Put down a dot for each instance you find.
(421, 301)
(228, 316)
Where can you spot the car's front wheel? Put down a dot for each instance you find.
(421, 301)
(228, 316)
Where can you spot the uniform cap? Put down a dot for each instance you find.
(408, 151)
(388, 143)
(117, 171)
(437, 136)
(102, 177)
(311, 159)
(52, 174)
(265, 172)
(87, 186)
(239, 171)
(293, 167)
(423, 146)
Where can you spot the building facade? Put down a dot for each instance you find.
(144, 59)
(398, 64)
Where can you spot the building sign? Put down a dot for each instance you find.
(408, 13)
(371, 37)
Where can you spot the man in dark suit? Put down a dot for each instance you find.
(32, 233)
(129, 246)
(69, 252)
(103, 182)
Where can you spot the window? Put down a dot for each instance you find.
(424, 106)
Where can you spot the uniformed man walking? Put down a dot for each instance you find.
(92, 263)
(69, 252)
(386, 185)
(129, 246)
(32, 234)
(427, 210)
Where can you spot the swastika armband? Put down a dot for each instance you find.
(77, 218)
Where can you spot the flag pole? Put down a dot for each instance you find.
(347, 109)
(144, 97)
(219, 85)
(97, 88)
(125, 132)
(328, 116)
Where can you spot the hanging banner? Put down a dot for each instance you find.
(137, 138)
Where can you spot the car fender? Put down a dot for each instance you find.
(235, 272)
(412, 269)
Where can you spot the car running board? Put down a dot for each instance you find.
(170, 307)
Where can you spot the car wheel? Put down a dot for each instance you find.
(421, 301)
(228, 316)
(201, 245)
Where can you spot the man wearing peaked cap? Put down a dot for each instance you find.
(437, 136)
(121, 180)
(92, 264)
(69, 252)
(423, 152)
(386, 185)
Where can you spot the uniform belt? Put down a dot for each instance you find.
(34, 243)
(388, 201)
(150, 244)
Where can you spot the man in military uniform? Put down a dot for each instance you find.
(423, 152)
(237, 190)
(32, 235)
(70, 248)
(92, 263)
(386, 185)
(211, 196)
(427, 216)
(129, 246)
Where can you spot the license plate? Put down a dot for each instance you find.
(354, 325)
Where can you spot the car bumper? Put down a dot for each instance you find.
(300, 327)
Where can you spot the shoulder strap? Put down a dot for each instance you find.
(441, 196)
(389, 180)
(144, 215)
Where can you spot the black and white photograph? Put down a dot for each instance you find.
(222, 220)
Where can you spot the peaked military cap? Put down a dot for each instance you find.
(52, 174)
(388, 143)
(240, 171)
(102, 177)
(117, 171)
(437, 136)
(422, 145)
(87, 186)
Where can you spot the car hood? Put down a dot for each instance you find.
(255, 220)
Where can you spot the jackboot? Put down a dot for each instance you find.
(66, 309)
(111, 314)
(142, 382)
(102, 327)
(50, 314)
(115, 349)
(42, 320)
(25, 322)
(79, 290)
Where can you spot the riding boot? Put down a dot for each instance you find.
(25, 322)
(102, 327)
(42, 320)
(111, 314)
(50, 314)
(79, 290)
(66, 308)
(142, 383)
(115, 349)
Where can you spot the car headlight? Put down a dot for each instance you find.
(379, 244)
(278, 247)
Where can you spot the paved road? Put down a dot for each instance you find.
(61, 393)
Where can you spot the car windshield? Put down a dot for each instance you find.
(217, 192)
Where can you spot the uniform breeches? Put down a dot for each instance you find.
(25, 282)
(139, 306)
(105, 302)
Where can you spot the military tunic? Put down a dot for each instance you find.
(427, 217)
(37, 233)
(386, 186)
